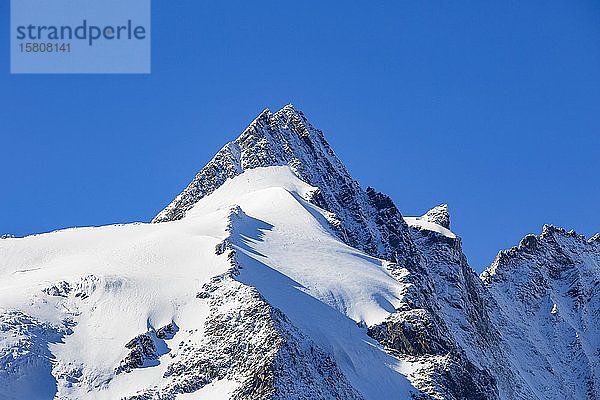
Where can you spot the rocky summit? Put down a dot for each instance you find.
(275, 275)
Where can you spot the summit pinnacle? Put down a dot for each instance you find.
(438, 215)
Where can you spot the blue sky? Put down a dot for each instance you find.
(492, 107)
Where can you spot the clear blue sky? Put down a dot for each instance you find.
(492, 107)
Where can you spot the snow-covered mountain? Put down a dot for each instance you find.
(275, 275)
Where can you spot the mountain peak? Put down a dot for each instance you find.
(438, 215)
(271, 139)
(289, 107)
(287, 138)
(554, 243)
(265, 114)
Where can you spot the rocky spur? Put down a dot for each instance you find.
(85, 31)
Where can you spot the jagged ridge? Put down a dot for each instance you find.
(362, 219)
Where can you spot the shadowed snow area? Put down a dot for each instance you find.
(301, 246)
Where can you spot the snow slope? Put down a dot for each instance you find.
(98, 288)
(93, 290)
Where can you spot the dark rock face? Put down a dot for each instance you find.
(548, 301)
(505, 335)
(398, 245)
(438, 215)
(448, 322)
(458, 318)
(461, 379)
(147, 348)
(411, 333)
(59, 289)
(167, 332)
(142, 349)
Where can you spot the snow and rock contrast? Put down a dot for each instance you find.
(287, 138)
(547, 292)
(275, 275)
